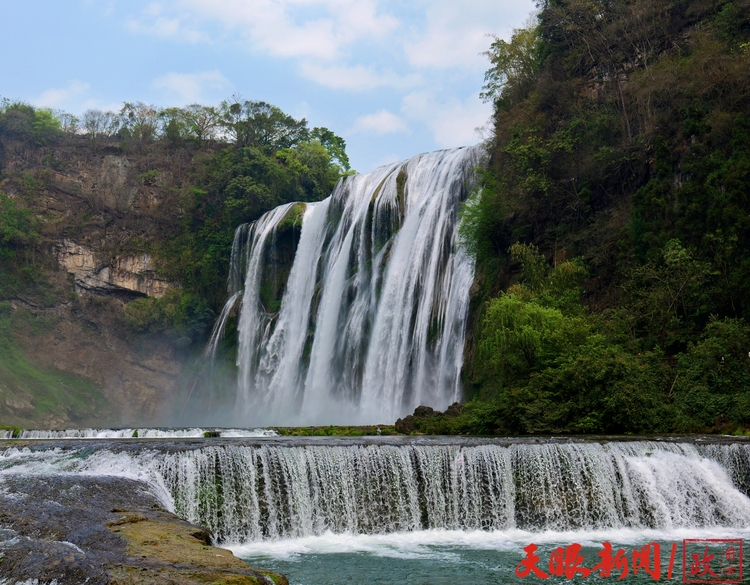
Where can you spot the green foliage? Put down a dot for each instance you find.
(261, 125)
(22, 121)
(599, 388)
(514, 65)
(18, 233)
(334, 145)
(668, 296)
(149, 177)
(621, 138)
(335, 431)
(16, 226)
(179, 315)
(712, 378)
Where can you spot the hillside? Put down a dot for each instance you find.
(612, 232)
(115, 234)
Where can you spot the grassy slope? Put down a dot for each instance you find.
(36, 394)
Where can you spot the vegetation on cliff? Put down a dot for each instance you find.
(164, 189)
(612, 234)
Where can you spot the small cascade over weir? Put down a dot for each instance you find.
(248, 490)
(353, 309)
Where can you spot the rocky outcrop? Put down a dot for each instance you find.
(72, 530)
(131, 274)
(411, 422)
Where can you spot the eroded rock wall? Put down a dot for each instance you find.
(101, 208)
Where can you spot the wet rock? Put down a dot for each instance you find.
(106, 530)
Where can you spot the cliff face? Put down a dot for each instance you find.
(100, 208)
(134, 274)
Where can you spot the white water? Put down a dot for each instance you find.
(372, 318)
(417, 545)
(137, 433)
(276, 492)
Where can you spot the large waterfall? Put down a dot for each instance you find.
(353, 309)
(248, 490)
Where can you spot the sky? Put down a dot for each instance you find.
(392, 78)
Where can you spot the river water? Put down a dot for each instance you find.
(431, 510)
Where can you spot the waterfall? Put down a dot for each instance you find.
(274, 489)
(354, 308)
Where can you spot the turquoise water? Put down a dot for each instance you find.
(451, 557)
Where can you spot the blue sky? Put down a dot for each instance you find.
(393, 78)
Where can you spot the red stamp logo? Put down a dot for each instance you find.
(712, 560)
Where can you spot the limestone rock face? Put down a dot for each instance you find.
(125, 273)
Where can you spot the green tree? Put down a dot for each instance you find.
(711, 388)
(335, 145)
(262, 125)
(514, 66)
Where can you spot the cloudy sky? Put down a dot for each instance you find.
(393, 78)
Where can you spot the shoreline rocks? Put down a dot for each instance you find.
(108, 530)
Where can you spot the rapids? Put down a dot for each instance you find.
(270, 489)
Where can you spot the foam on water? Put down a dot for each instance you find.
(273, 491)
(130, 433)
(421, 544)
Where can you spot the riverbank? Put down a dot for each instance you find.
(75, 529)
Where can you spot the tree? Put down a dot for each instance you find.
(25, 122)
(97, 123)
(202, 122)
(514, 65)
(69, 123)
(667, 294)
(263, 125)
(16, 226)
(335, 145)
(139, 121)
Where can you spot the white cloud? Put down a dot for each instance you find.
(319, 29)
(456, 35)
(59, 97)
(154, 22)
(452, 122)
(192, 87)
(382, 122)
(356, 77)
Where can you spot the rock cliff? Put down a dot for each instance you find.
(101, 207)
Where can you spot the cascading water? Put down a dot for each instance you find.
(354, 308)
(270, 490)
(135, 433)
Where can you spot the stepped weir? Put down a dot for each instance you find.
(278, 488)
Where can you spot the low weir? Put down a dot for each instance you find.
(248, 490)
